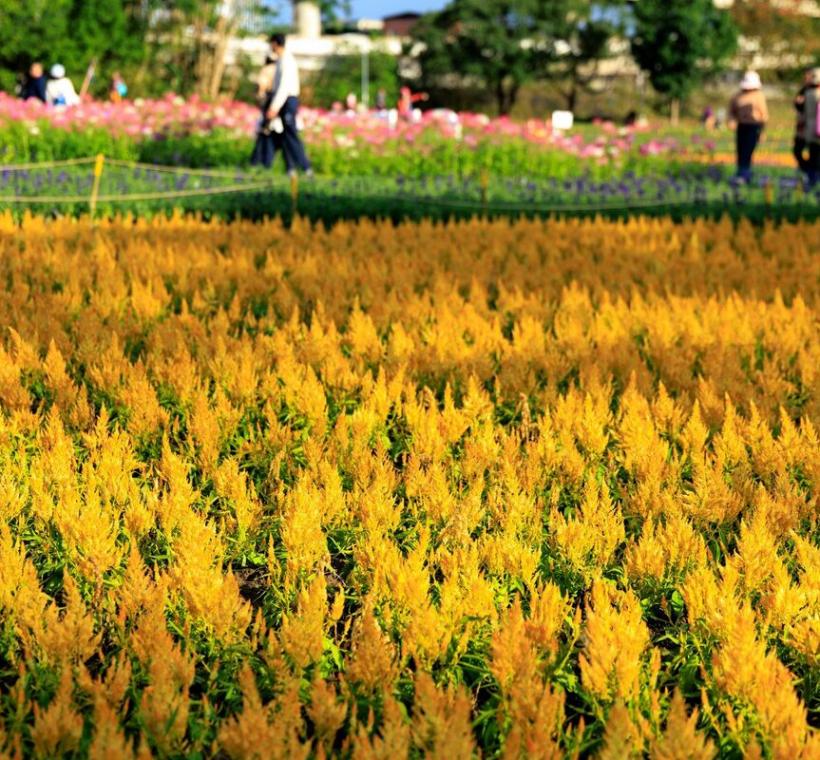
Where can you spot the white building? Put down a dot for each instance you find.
(311, 47)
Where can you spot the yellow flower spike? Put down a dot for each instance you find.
(262, 732)
(441, 720)
(68, 637)
(372, 664)
(302, 632)
(616, 638)
(326, 712)
(623, 737)
(589, 539)
(337, 608)
(58, 728)
(393, 740)
(233, 485)
(680, 739)
(109, 741)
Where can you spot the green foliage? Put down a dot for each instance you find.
(780, 26)
(501, 43)
(158, 45)
(102, 32)
(589, 42)
(679, 43)
(72, 32)
(342, 74)
(21, 142)
(31, 30)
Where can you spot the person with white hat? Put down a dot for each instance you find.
(60, 90)
(812, 127)
(749, 113)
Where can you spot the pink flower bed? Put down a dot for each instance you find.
(172, 115)
(137, 118)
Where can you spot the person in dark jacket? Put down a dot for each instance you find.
(812, 128)
(268, 131)
(799, 149)
(35, 84)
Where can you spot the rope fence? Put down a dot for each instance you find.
(234, 182)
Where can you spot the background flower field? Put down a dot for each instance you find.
(195, 133)
(519, 489)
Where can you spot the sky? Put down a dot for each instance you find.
(381, 8)
(378, 8)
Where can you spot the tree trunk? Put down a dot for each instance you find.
(501, 98)
(201, 57)
(512, 96)
(572, 97)
(222, 34)
(675, 112)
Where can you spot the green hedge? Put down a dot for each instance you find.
(427, 157)
(21, 142)
(320, 207)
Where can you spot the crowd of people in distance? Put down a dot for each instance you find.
(57, 89)
(749, 114)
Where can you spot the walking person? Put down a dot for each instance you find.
(268, 131)
(799, 147)
(285, 105)
(811, 133)
(749, 113)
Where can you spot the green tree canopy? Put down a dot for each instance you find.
(72, 32)
(679, 43)
(593, 28)
(33, 30)
(501, 44)
(342, 74)
(782, 29)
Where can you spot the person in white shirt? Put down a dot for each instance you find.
(59, 90)
(285, 105)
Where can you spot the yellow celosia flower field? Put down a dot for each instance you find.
(506, 489)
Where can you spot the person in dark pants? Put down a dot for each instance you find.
(268, 143)
(285, 105)
(749, 112)
(812, 128)
(799, 149)
(268, 131)
(35, 84)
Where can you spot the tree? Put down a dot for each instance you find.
(73, 32)
(678, 43)
(500, 43)
(33, 30)
(589, 42)
(107, 33)
(189, 41)
(342, 74)
(781, 29)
